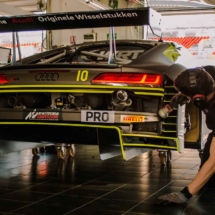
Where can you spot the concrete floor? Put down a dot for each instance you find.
(86, 185)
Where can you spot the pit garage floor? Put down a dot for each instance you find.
(86, 185)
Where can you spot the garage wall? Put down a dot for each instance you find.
(60, 38)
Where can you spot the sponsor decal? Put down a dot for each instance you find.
(127, 118)
(43, 115)
(97, 116)
(47, 77)
(3, 22)
(86, 17)
(124, 54)
(89, 19)
(25, 20)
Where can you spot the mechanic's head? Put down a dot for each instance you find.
(196, 84)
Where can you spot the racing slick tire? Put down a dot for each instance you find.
(61, 152)
(36, 151)
(71, 150)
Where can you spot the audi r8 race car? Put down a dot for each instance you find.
(106, 93)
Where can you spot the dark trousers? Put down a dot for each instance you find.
(205, 156)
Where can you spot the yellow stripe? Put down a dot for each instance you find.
(76, 125)
(72, 91)
(149, 145)
(169, 87)
(149, 136)
(169, 131)
(55, 91)
(83, 86)
(151, 94)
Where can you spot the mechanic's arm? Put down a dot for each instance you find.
(205, 172)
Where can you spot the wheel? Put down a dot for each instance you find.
(36, 151)
(163, 158)
(168, 156)
(71, 150)
(61, 152)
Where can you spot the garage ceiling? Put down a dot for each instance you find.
(11, 7)
(21, 7)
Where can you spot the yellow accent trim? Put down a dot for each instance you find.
(172, 53)
(169, 87)
(149, 136)
(67, 124)
(106, 127)
(169, 94)
(55, 91)
(150, 145)
(150, 94)
(72, 91)
(168, 131)
(83, 86)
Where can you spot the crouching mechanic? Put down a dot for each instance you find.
(198, 86)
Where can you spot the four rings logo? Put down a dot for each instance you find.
(47, 76)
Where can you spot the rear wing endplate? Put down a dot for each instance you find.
(88, 19)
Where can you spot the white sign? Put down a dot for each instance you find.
(97, 116)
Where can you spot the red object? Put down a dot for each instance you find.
(187, 42)
(72, 39)
(128, 78)
(3, 79)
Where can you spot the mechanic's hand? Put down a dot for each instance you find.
(178, 99)
(176, 197)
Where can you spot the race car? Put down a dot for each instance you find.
(106, 93)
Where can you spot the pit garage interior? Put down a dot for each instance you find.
(35, 181)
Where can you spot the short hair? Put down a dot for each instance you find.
(204, 82)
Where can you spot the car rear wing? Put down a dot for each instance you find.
(88, 19)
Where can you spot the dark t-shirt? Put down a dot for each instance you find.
(210, 118)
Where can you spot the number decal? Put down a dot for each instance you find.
(82, 75)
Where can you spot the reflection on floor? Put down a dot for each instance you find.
(86, 185)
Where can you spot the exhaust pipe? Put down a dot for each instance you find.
(14, 101)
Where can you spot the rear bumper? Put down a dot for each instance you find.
(120, 117)
(110, 138)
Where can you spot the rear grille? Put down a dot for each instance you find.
(169, 127)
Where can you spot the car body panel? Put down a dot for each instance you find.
(80, 94)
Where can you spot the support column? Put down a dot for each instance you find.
(54, 37)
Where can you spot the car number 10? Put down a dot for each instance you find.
(82, 75)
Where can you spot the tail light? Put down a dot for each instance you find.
(3, 79)
(128, 78)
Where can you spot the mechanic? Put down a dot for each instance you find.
(197, 85)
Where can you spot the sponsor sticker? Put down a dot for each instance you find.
(47, 76)
(42, 115)
(97, 116)
(127, 118)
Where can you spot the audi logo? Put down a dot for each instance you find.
(47, 77)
